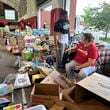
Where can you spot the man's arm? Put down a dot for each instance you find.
(56, 38)
(56, 32)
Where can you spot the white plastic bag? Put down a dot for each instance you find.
(38, 107)
(22, 80)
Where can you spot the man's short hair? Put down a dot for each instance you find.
(64, 13)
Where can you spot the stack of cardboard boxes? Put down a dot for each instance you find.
(91, 93)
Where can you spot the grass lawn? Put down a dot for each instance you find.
(105, 40)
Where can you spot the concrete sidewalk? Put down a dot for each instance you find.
(6, 64)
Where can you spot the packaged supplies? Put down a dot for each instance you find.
(13, 107)
(25, 65)
(4, 102)
(5, 89)
(8, 48)
(27, 41)
(16, 50)
(2, 41)
(56, 78)
(35, 32)
(37, 64)
(44, 70)
(27, 54)
(13, 41)
(16, 34)
(38, 48)
(43, 38)
(50, 60)
(20, 41)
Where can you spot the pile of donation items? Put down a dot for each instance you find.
(50, 90)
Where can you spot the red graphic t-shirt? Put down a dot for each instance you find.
(83, 53)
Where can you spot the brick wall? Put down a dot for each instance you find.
(45, 18)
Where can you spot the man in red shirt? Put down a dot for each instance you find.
(85, 59)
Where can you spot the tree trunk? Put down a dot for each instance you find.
(106, 33)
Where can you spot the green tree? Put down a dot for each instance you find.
(98, 17)
(101, 20)
(88, 16)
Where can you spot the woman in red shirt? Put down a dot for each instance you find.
(85, 59)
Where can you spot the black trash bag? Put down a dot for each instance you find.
(68, 57)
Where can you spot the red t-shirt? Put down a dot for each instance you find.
(83, 53)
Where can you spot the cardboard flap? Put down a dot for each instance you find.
(97, 84)
(56, 107)
(56, 78)
(47, 89)
(33, 90)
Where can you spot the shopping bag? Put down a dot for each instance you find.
(22, 80)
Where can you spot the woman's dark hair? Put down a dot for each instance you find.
(88, 36)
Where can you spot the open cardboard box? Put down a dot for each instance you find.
(86, 101)
(84, 98)
(56, 78)
(44, 94)
(97, 84)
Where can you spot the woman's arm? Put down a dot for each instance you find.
(71, 49)
(88, 63)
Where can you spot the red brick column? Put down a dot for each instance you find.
(72, 15)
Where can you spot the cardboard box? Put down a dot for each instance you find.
(13, 41)
(63, 105)
(75, 95)
(57, 107)
(68, 95)
(44, 94)
(97, 84)
(87, 104)
(37, 77)
(86, 99)
(2, 41)
(1, 33)
(56, 78)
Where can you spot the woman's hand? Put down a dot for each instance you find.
(77, 68)
(68, 50)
